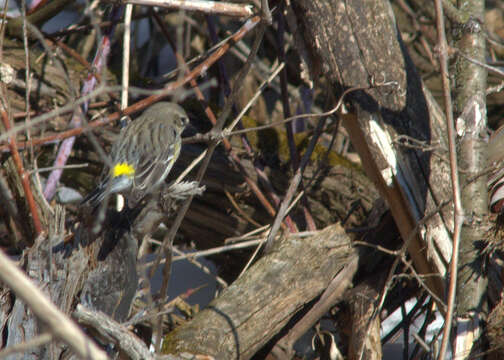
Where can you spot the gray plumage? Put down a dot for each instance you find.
(150, 145)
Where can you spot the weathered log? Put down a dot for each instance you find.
(258, 305)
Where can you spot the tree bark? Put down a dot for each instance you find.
(470, 104)
(259, 305)
(355, 43)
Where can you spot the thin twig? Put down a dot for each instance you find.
(240, 211)
(493, 69)
(51, 168)
(36, 341)
(254, 98)
(258, 248)
(289, 127)
(296, 180)
(124, 82)
(202, 267)
(154, 95)
(457, 202)
(22, 174)
(421, 342)
(218, 250)
(27, 76)
(126, 55)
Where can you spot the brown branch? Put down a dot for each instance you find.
(197, 71)
(22, 174)
(457, 202)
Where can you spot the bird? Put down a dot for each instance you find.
(143, 155)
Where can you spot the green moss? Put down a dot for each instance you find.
(273, 142)
(169, 344)
(173, 346)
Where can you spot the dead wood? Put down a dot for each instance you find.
(353, 44)
(394, 124)
(97, 270)
(258, 305)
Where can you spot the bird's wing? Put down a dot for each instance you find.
(159, 154)
(150, 172)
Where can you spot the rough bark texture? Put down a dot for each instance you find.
(105, 281)
(365, 334)
(352, 42)
(259, 304)
(470, 103)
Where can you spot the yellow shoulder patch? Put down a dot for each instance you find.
(123, 169)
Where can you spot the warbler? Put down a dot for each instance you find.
(143, 154)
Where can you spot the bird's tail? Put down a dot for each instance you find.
(95, 197)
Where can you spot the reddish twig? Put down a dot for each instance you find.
(457, 202)
(35, 6)
(224, 86)
(197, 71)
(22, 174)
(294, 183)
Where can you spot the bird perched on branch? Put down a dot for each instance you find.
(143, 154)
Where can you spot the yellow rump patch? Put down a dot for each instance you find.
(123, 169)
